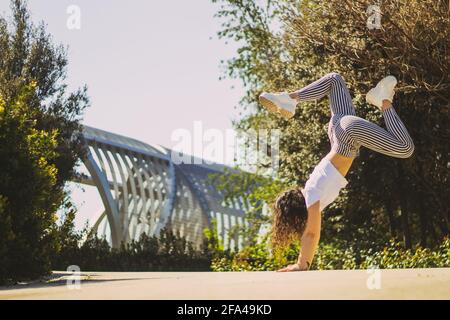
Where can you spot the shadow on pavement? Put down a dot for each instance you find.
(60, 279)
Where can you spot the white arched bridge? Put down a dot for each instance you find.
(143, 191)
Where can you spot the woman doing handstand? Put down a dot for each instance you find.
(297, 211)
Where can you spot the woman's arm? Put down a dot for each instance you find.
(309, 240)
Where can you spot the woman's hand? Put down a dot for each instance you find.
(290, 268)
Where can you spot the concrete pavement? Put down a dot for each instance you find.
(339, 284)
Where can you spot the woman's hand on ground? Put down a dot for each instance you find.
(290, 268)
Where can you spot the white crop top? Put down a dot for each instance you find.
(323, 185)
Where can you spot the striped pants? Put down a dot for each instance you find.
(347, 132)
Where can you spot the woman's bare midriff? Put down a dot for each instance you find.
(341, 163)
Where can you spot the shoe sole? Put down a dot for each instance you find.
(273, 108)
(380, 84)
(387, 80)
(369, 97)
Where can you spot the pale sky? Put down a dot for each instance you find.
(151, 67)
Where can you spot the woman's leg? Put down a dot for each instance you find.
(333, 85)
(395, 141)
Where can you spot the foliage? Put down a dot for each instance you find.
(335, 256)
(255, 190)
(213, 242)
(27, 54)
(39, 143)
(285, 45)
(168, 252)
(28, 194)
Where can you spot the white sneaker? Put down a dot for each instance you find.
(280, 103)
(383, 91)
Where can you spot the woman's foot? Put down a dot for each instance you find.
(383, 91)
(279, 103)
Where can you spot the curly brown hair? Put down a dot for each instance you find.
(289, 215)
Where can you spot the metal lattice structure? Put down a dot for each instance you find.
(143, 191)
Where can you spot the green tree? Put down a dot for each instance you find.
(27, 190)
(27, 53)
(285, 45)
(39, 143)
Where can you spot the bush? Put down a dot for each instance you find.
(169, 252)
(334, 256)
(28, 193)
(395, 256)
(39, 144)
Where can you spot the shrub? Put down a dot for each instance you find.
(169, 252)
(28, 194)
(334, 256)
(39, 144)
